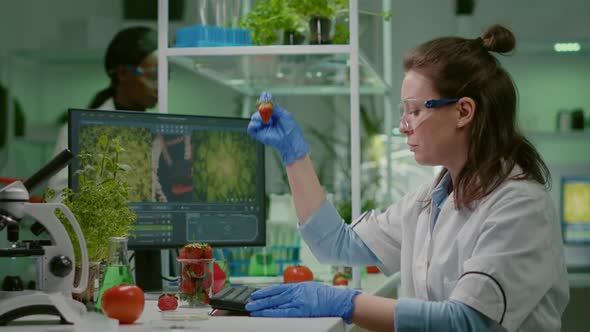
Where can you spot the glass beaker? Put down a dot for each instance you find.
(196, 281)
(118, 271)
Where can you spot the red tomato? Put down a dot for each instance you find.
(372, 269)
(340, 282)
(123, 302)
(340, 279)
(297, 273)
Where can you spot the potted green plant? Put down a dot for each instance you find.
(319, 13)
(322, 14)
(101, 203)
(268, 18)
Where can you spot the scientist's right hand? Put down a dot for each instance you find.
(281, 132)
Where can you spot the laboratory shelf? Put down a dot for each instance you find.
(287, 74)
(259, 50)
(556, 135)
(326, 70)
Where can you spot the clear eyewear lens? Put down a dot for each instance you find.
(412, 114)
(414, 111)
(150, 74)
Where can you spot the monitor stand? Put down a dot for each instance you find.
(148, 267)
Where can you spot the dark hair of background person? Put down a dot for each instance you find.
(461, 67)
(127, 48)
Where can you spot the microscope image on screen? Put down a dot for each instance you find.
(136, 142)
(224, 167)
(172, 158)
(191, 177)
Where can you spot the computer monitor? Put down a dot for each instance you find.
(192, 179)
(575, 209)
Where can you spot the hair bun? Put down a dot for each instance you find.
(498, 39)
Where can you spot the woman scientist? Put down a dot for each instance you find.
(479, 249)
(131, 64)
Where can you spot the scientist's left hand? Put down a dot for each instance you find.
(306, 299)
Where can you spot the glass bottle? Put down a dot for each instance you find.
(118, 270)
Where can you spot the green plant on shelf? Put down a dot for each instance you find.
(269, 17)
(323, 8)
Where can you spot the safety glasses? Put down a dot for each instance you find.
(150, 74)
(413, 111)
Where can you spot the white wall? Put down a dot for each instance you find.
(33, 24)
(548, 83)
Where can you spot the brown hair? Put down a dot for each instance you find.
(461, 67)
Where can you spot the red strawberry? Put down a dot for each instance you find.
(265, 110)
(196, 251)
(193, 252)
(167, 302)
(198, 269)
(207, 252)
(187, 286)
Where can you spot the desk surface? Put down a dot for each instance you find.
(154, 320)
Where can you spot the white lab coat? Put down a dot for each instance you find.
(503, 258)
(59, 181)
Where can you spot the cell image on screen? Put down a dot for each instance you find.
(191, 177)
(576, 202)
(136, 143)
(172, 161)
(224, 167)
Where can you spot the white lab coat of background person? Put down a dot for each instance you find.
(503, 257)
(60, 180)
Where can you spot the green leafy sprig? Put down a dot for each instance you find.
(267, 18)
(101, 204)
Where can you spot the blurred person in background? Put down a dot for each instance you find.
(131, 64)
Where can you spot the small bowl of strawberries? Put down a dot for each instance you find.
(200, 276)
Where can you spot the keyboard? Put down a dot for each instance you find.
(232, 298)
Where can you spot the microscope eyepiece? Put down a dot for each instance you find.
(6, 219)
(48, 170)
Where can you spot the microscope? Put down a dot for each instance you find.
(55, 257)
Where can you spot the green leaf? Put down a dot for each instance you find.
(387, 15)
(124, 167)
(102, 141)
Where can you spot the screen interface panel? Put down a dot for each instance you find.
(191, 178)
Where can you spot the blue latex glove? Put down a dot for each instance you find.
(306, 299)
(281, 132)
